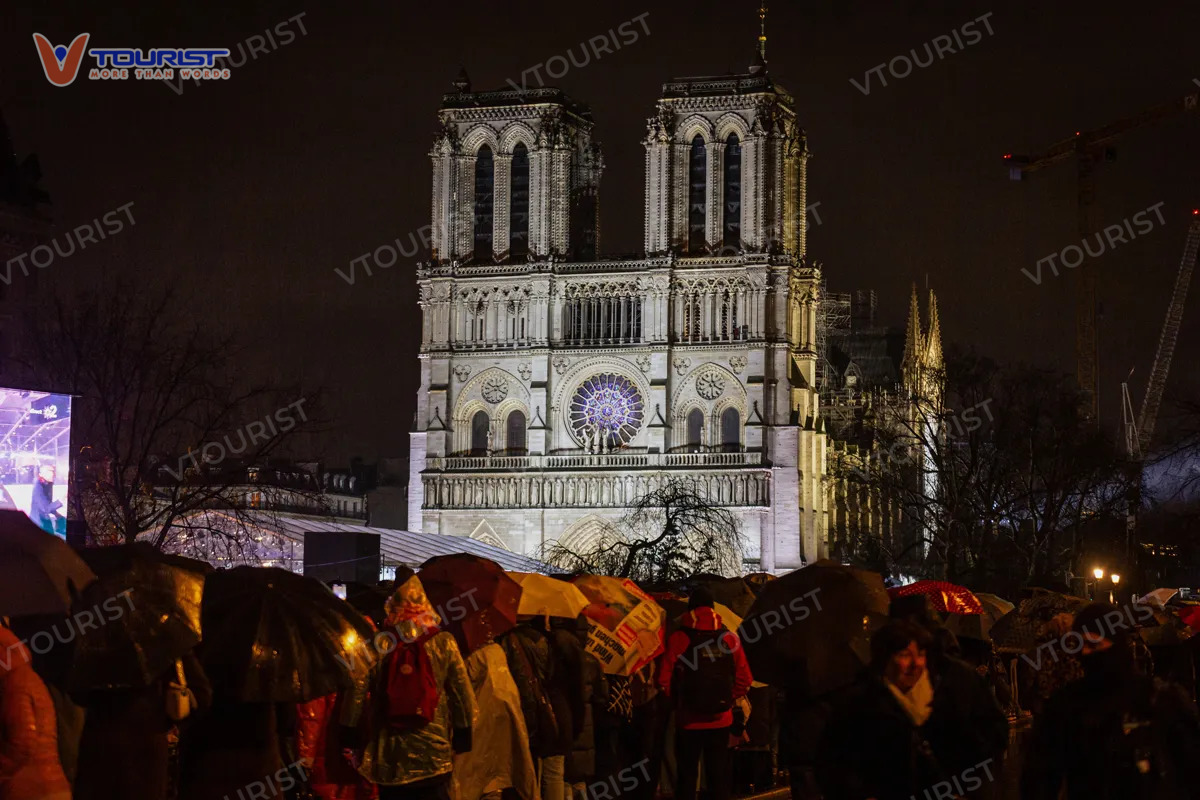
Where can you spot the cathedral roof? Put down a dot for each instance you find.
(499, 98)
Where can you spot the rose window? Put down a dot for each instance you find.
(609, 406)
(495, 389)
(710, 385)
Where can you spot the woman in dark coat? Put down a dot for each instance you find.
(872, 746)
(123, 749)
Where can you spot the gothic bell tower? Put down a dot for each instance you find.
(726, 167)
(516, 176)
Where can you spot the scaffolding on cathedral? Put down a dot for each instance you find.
(833, 320)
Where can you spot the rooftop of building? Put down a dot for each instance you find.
(464, 98)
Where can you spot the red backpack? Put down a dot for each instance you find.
(411, 689)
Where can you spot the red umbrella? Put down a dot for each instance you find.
(947, 597)
(475, 598)
(1190, 615)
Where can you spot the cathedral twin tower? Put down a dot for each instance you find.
(558, 386)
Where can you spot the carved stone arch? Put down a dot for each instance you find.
(732, 123)
(470, 399)
(695, 124)
(485, 533)
(477, 137)
(587, 533)
(464, 412)
(514, 132)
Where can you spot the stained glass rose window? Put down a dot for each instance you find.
(607, 404)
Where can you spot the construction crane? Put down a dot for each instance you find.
(1090, 149)
(1139, 430)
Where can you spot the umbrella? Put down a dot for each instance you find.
(476, 599)
(543, 596)
(947, 597)
(733, 593)
(979, 626)
(274, 636)
(39, 572)
(627, 625)
(811, 628)
(1020, 629)
(757, 580)
(147, 605)
(368, 600)
(1159, 597)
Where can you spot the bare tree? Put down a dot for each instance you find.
(669, 533)
(999, 479)
(163, 433)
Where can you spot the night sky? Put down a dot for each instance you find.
(249, 193)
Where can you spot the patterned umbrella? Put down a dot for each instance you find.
(1022, 628)
(475, 597)
(627, 625)
(947, 597)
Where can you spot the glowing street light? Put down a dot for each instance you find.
(1115, 578)
(1098, 572)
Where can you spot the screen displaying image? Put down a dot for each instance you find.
(35, 455)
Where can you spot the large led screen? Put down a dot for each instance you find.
(35, 455)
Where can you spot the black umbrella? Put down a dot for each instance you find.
(147, 608)
(810, 630)
(733, 593)
(274, 636)
(39, 573)
(370, 601)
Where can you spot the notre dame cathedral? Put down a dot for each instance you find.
(557, 386)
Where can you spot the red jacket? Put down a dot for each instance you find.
(29, 766)
(331, 777)
(704, 619)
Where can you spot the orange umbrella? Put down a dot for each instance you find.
(626, 630)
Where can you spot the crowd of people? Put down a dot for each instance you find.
(531, 715)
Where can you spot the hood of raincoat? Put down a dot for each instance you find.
(410, 612)
(703, 618)
(14, 655)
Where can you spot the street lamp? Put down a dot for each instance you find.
(1116, 579)
(1098, 572)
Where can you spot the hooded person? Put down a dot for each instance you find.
(704, 671)
(421, 709)
(29, 761)
(872, 746)
(1114, 733)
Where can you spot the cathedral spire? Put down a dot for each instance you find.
(933, 340)
(762, 32)
(912, 338)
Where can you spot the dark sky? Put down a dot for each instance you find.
(251, 192)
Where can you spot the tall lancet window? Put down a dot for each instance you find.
(733, 192)
(518, 215)
(697, 196)
(485, 199)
